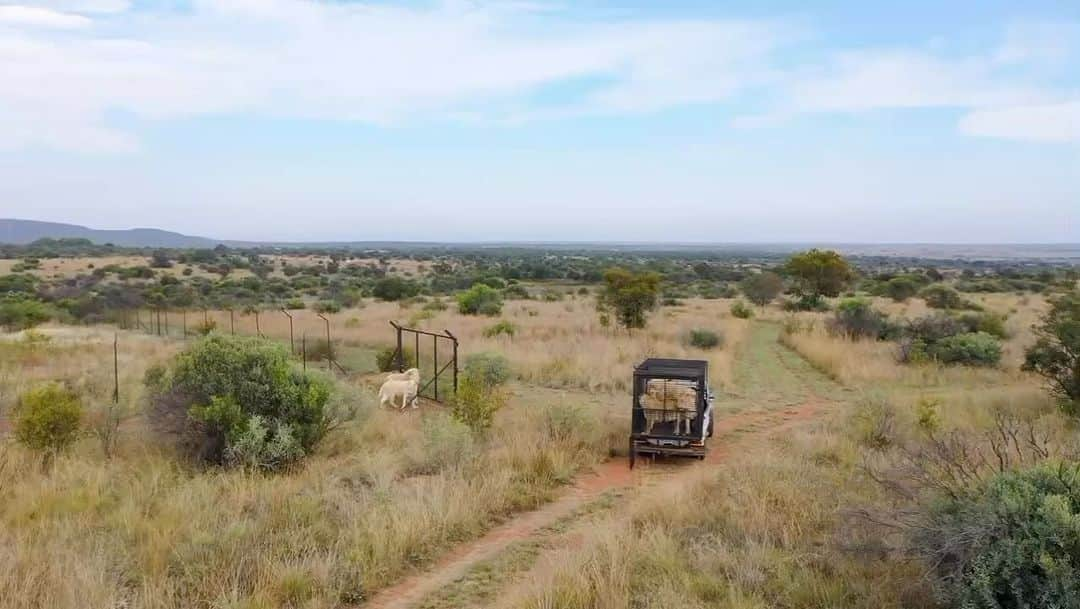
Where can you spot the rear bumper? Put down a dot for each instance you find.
(692, 450)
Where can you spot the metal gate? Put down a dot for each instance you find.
(411, 337)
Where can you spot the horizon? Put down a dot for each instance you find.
(490, 121)
(681, 244)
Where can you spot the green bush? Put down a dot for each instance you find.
(988, 322)
(395, 288)
(704, 339)
(1056, 354)
(480, 299)
(1010, 543)
(327, 306)
(503, 327)
(516, 292)
(19, 313)
(854, 319)
(491, 369)
(476, 402)
(295, 303)
(386, 362)
(970, 348)
(939, 296)
(47, 418)
(900, 288)
(238, 400)
(740, 310)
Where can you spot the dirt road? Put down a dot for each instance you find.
(775, 390)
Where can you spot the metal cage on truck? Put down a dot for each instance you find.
(672, 408)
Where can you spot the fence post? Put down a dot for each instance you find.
(400, 349)
(232, 323)
(303, 349)
(435, 358)
(455, 341)
(183, 320)
(292, 345)
(329, 346)
(116, 369)
(258, 331)
(165, 312)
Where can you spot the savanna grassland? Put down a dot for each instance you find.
(814, 463)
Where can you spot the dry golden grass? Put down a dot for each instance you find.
(394, 491)
(557, 344)
(385, 494)
(866, 361)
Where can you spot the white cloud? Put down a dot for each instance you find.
(82, 6)
(68, 63)
(870, 80)
(1048, 122)
(363, 62)
(37, 17)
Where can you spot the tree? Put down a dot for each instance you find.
(630, 295)
(819, 273)
(762, 288)
(1056, 353)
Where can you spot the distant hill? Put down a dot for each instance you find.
(21, 232)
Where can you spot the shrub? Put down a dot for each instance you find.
(327, 306)
(875, 422)
(20, 313)
(516, 292)
(855, 318)
(436, 304)
(47, 418)
(933, 328)
(900, 288)
(295, 303)
(988, 322)
(480, 299)
(386, 362)
(238, 400)
(395, 288)
(740, 310)
(970, 348)
(1011, 542)
(204, 327)
(805, 303)
(476, 402)
(503, 327)
(703, 339)
(938, 296)
(492, 282)
(1056, 354)
(447, 442)
(762, 288)
(492, 369)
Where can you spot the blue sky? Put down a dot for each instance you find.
(530, 120)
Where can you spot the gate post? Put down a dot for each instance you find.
(400, 349)
(454, 339)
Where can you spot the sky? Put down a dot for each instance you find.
(675, 121)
